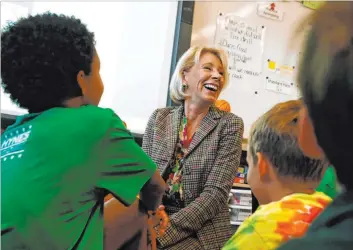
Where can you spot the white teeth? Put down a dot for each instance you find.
(210, 86)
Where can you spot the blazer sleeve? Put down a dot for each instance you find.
(147, 140)
(155, 186)
(216, 190)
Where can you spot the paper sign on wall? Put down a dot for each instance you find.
(243, 43)
(281, 86)
(270, 11)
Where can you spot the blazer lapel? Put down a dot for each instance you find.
(173, 131)
(208, 123)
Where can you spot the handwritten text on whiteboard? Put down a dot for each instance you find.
(244, 44)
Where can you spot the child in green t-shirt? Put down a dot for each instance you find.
(60, 160)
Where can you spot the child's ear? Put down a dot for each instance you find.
(262, 165)
(81, 80)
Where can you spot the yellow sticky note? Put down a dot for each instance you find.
(272, 65)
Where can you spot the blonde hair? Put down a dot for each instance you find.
(187, 61)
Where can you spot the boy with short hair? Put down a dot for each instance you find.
(283, 180)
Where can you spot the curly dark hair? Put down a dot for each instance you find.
(41, 56)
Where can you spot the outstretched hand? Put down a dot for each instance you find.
(163, 218)
(160, 219)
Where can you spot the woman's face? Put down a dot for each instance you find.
(205, 79)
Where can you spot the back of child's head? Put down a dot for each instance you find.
(325, 78)
(41, 56)
(274, 136)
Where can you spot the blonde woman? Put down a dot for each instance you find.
(197, 148)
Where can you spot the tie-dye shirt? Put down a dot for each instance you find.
(275, 223)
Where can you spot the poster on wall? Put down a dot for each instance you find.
(281, 86)
(244, 43)
(280, 75)
(270, 11)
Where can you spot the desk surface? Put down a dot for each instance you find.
(242, 185)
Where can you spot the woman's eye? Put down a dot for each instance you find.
(208, 68)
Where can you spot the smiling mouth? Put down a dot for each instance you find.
(211, 87)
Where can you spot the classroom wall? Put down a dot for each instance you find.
(205, 16)
(248, 97)
(134, 42)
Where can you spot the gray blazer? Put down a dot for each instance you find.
(209, 170)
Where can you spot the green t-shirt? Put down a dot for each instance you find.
(56, 167)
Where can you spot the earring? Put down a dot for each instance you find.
(185, 86)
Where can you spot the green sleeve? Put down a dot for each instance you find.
(126, 167)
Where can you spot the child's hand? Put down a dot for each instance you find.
(161, 219)
(164, 220)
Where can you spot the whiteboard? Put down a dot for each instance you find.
(11, 12)
(262, 71)
(134, 43)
